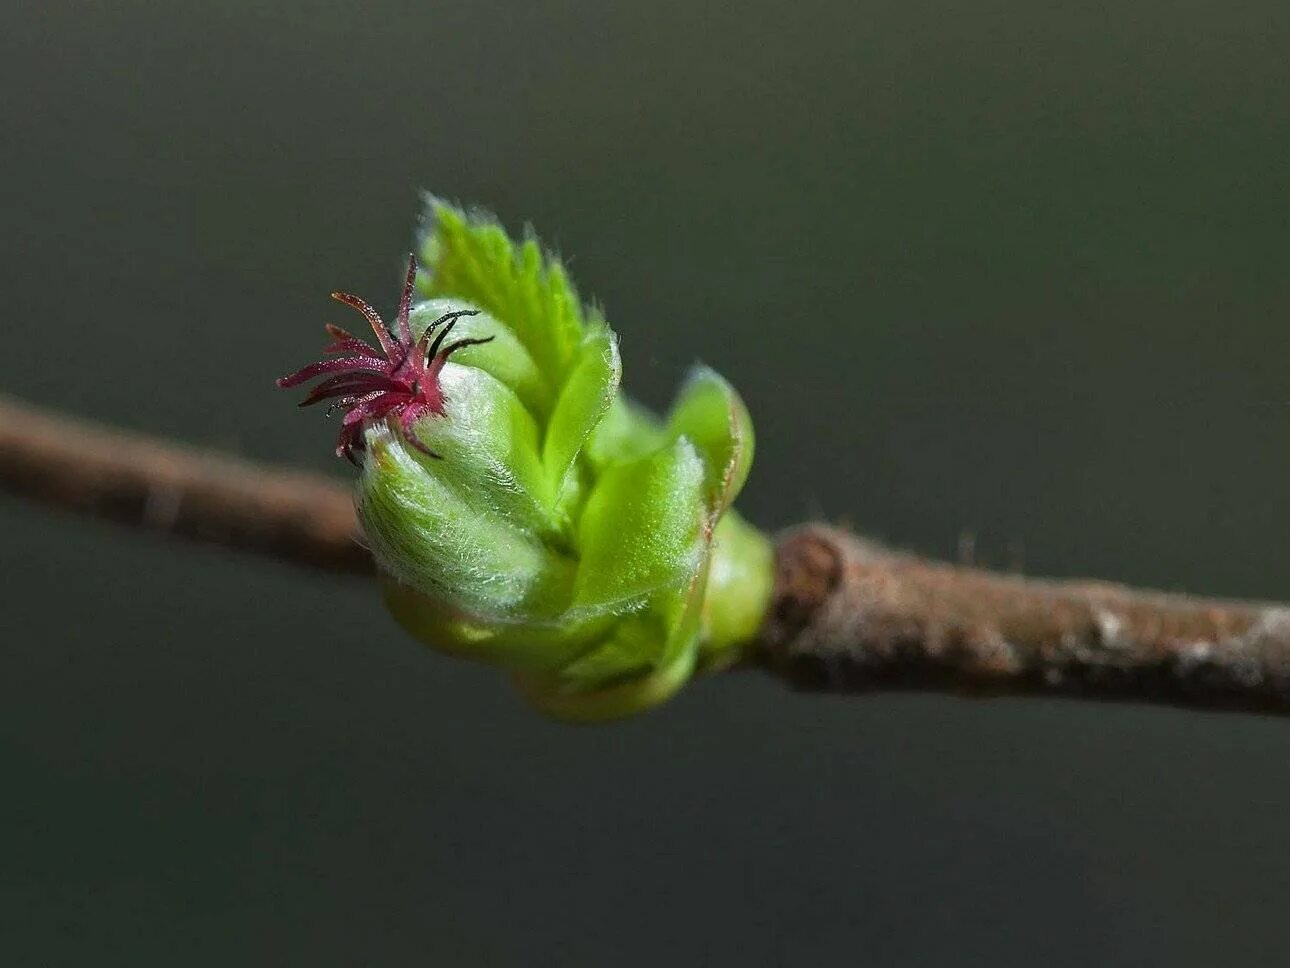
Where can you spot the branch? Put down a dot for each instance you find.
(303, 518)
(851, 616)
(847, 615)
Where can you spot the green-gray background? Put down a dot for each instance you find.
(1009, 267)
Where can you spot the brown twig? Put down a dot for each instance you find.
(304, 518)
(847, 615)
(852, 616)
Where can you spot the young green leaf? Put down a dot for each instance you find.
(487, 447)
(641, 529)
(428, 534)
(471, 258)
(524, 511)
(625, 432)
(583, 401)
(710, 413)
(503, 355)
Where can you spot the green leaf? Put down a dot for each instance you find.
(428, 534)
(471, 257)
(559, 700)
(711, 414)
(504, 356)
(566, 534)
(635, 646)
(627, 431)
(641, 529)
(545, 648)
(739, 582)
(487, 443)
(585, 397)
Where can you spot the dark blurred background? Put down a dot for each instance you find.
(1005, 268)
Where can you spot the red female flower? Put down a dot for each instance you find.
(401, 380)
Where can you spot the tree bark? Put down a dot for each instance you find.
(852, 616)
(303, 518)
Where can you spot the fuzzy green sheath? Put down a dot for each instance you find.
(563, 533)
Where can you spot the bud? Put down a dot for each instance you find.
(524, 512)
